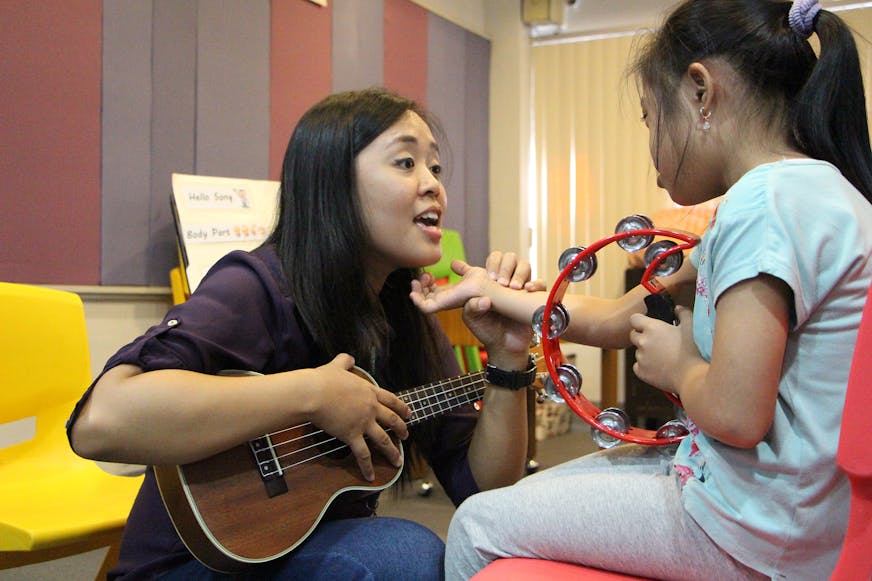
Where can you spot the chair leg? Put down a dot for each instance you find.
(111, 539)
(109, 560)
(531, 466)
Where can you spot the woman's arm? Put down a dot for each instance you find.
(498, 450)
(732, 398)
(173, 416)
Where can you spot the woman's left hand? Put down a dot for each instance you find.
(503, 338)
(506, 341)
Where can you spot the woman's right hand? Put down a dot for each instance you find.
(358, 412)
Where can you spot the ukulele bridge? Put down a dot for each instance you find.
(268, 466)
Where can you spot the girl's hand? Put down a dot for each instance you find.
(663, 351)
(507, 270)
(358, 412)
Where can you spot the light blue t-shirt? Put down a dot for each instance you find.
(782, 506)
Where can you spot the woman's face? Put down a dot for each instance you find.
(402, 198)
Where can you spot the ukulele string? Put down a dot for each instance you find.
(406, 396)
(429, 410)
(426, 411)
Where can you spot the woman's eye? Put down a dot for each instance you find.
(644, 117)
(406, 163)
(436, 169)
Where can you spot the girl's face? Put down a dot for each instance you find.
(402, 198)
(677, 150)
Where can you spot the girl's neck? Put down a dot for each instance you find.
(743, 155)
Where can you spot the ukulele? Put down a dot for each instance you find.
(258, 501)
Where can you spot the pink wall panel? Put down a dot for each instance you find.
(300, 69)
(50, 139)
(405, 49)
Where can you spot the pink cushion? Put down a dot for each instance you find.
(854, 458)
(517, 569)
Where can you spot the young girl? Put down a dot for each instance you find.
(737, 103)
(360, 214)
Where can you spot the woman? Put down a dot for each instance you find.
(360, 214)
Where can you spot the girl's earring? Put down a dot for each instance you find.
(706, 124)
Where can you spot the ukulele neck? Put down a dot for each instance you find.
(439, 397)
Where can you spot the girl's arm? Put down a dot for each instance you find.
(173, 416)
(592, 321)
(732, 398)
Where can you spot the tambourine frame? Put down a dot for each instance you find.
(586, 410)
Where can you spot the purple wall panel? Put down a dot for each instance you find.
(357, 44)
(233, 88)
(174, 94)
(127, 148)
(477, 205)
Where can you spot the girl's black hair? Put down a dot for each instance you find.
(819, 101)
(321, 239)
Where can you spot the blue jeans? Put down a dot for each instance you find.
(364, 549)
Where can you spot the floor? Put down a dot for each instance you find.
(433, 510)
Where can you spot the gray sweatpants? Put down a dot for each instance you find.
(618, 509)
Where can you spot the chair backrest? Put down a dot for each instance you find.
(855, 458)
(44, 355)
(452, 249)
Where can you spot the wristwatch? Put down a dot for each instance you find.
(513, 380)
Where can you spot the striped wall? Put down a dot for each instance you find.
(102, 101)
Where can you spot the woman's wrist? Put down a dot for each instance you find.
(511, 378)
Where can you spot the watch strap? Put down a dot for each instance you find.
(513, 380)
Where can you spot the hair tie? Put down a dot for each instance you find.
(801, 16)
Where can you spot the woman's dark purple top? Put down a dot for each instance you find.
(242, 317)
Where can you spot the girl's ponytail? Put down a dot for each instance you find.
(829, 112)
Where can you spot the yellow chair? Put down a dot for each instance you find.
(179, 285)
(53, 504)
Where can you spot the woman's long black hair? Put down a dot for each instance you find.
(819, 101)
(322, 240)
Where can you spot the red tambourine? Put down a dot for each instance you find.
(611, 426)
